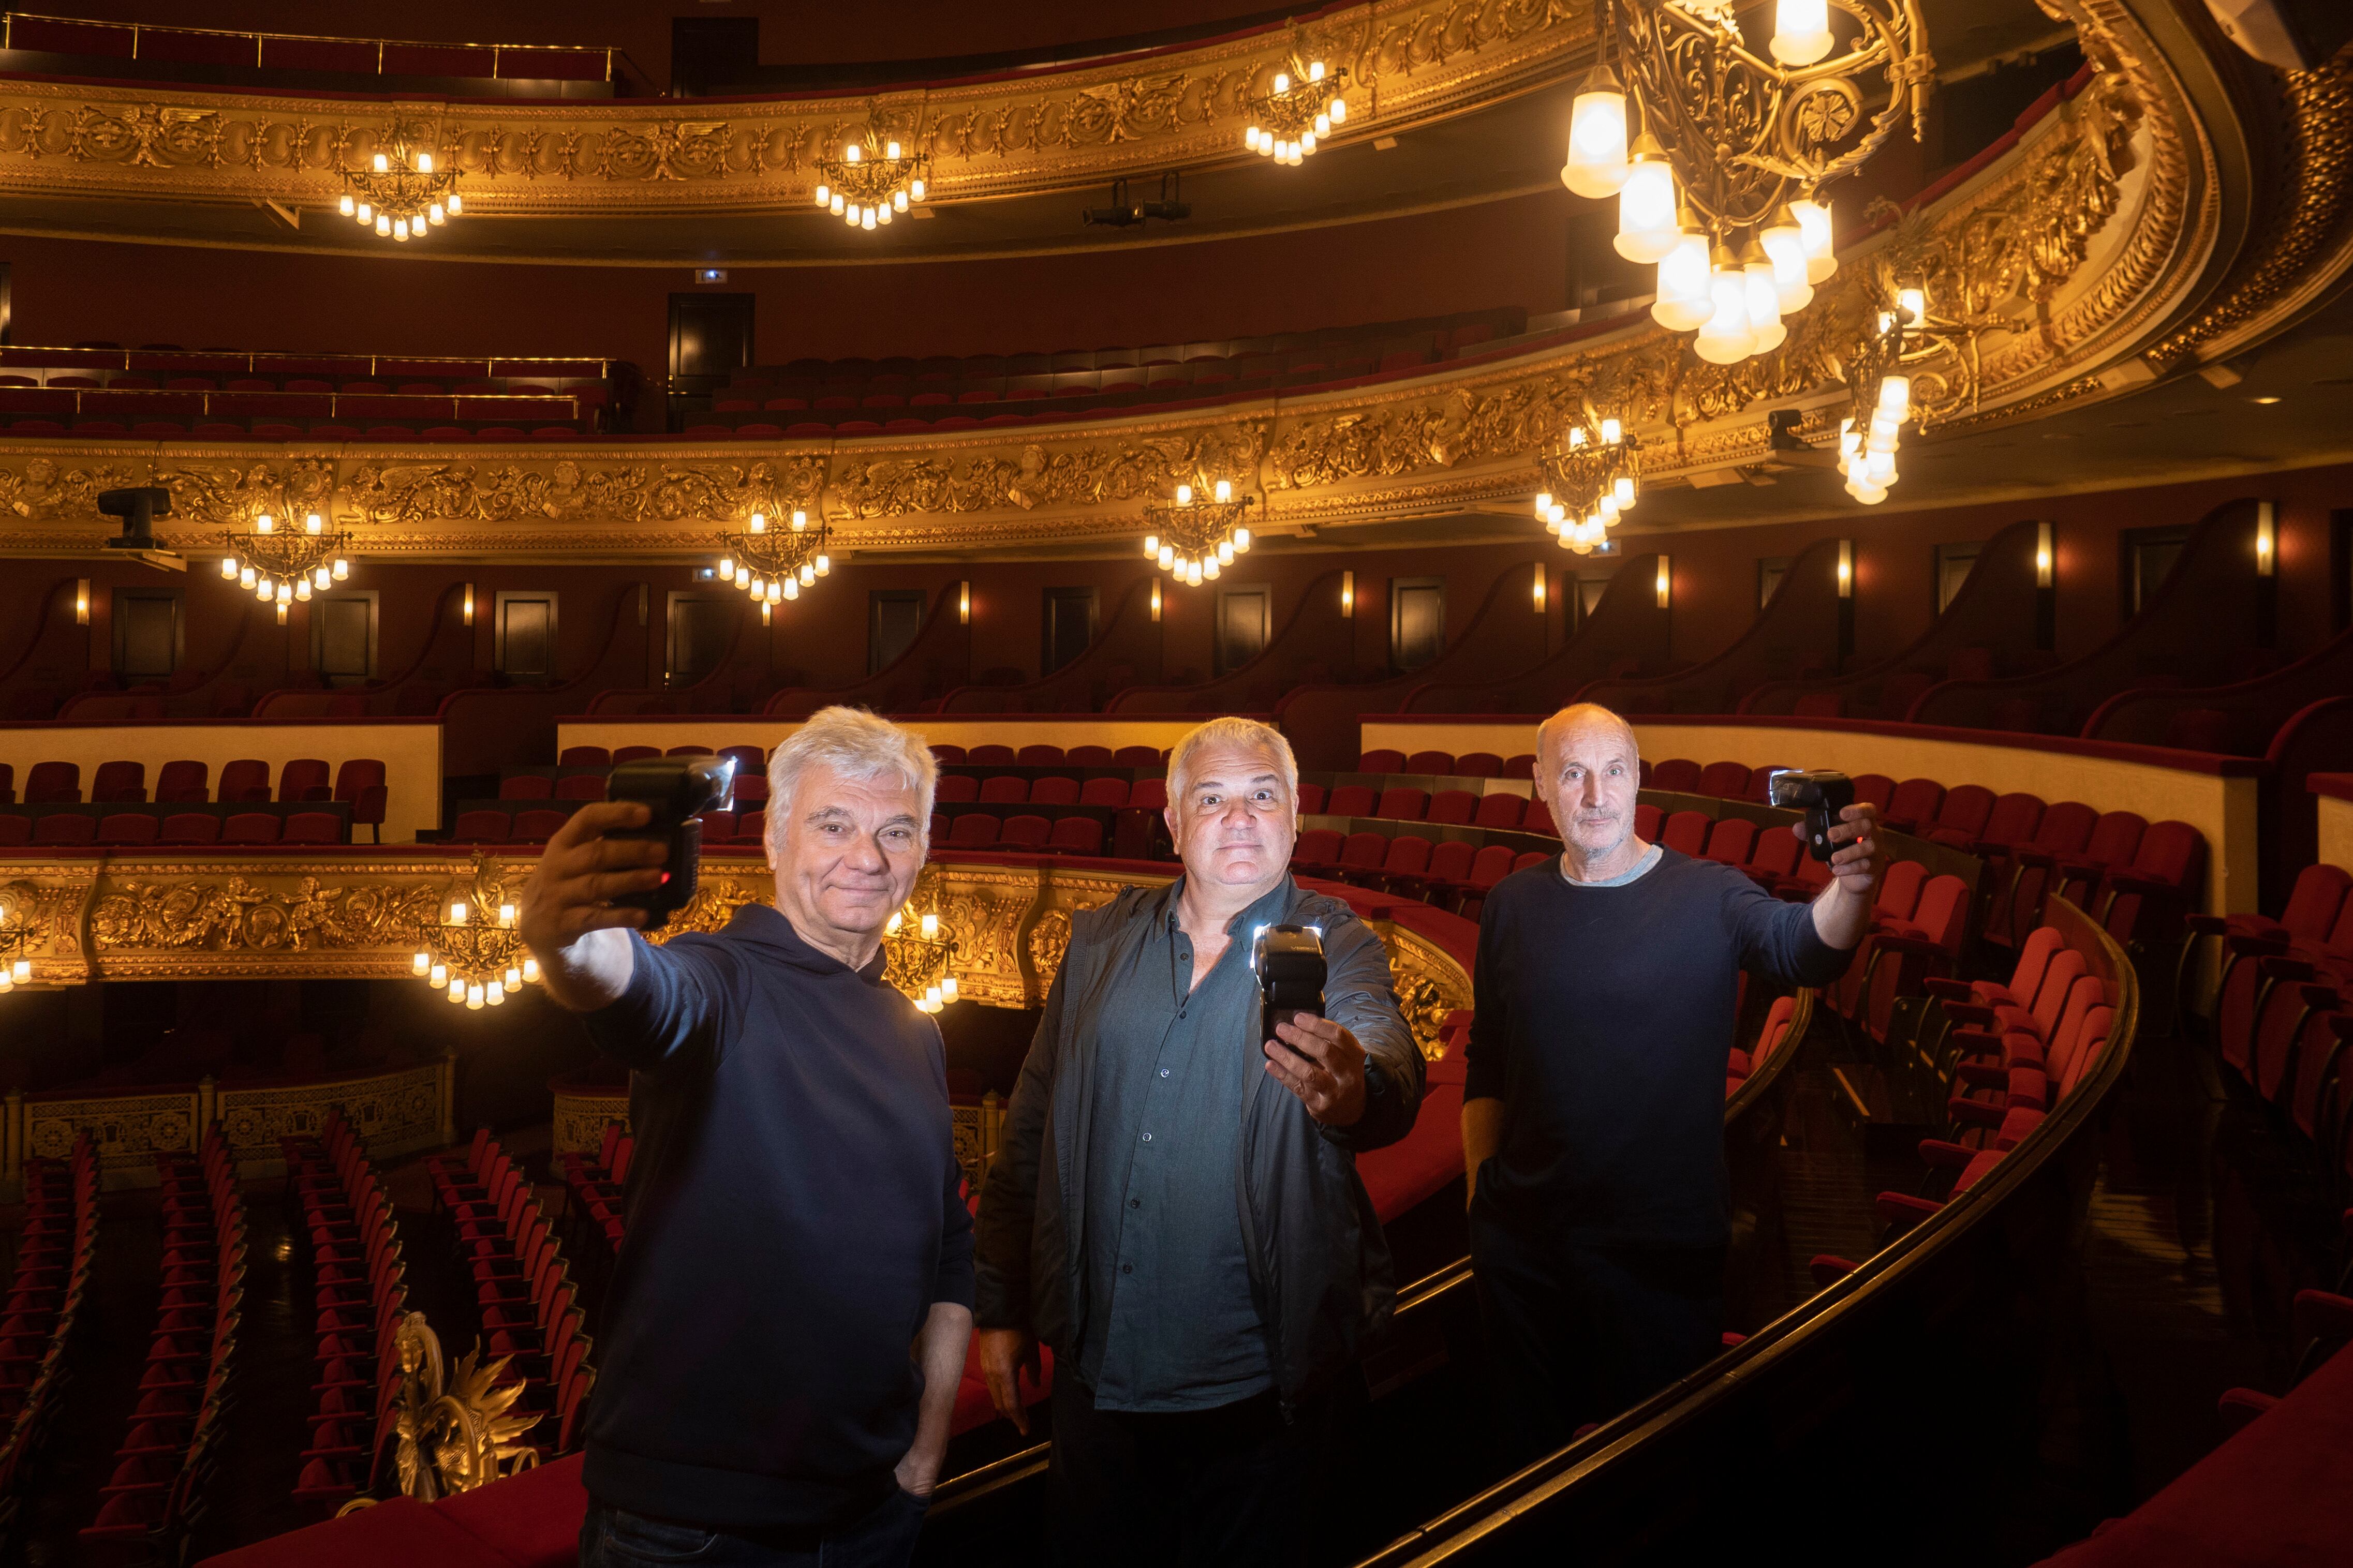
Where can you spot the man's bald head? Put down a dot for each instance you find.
(1581, 718)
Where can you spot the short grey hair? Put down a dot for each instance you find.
(857, 745)
(1230, 732)
(1581, 712)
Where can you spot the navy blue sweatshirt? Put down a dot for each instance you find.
(793, 1217)
(1605, 1016)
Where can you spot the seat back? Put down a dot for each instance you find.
(634, 753)
(973, 830)
(482, 828)
(1899, 890)
(65, 827)
(181, 782)
(2067, 1037)
(1499, 810)
(1453, 805)
(585, 757)
(2116, 838)
(526, 786)
(128, 827)
(1382, 760)
(1435, 763)
(1135, 757)
(1350, 800)
(2313, 904)
(1087, 756)
(53, 783)
(312, 828)
(1686, 832)
(1728, 781)
(538, 826)
(1679, 774)
(1077, 836)
(1025, 832)
(1054, 792)
(1539, 819)
(1478, 766)
(1408, 853)
(944, 754)
(1403, 803)
(1038, 756)
(748, 760)
(1647, 818)
(244, 781)
(956, 789)
(1776, 1029)
(1364, 851)
(1915, 801)
(2059, 977)
(251, 827)
(357, 775)
(2065, 828)
(2034, 955)
(2013, 819)
(301, 779)
(1777, 852)
(1943, 912)
(190, 827)
(1005, 789)
(1490, 865)
(1731, 841)
(118, 781)
(580, 786)
(16, 827)
(1148, 795)
(1317, 846)
(1449, 859)
(1104, 792)
(991, 755)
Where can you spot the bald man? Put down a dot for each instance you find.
(1593, 1103)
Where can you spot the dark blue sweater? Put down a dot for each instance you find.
(1604, 1018)
(793, 1216)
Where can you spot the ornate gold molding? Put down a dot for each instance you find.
(1421, 59)
(356, 914)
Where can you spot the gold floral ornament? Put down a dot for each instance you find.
(1720, 185)
(1590, 481)
(1307, 101)
(1194, 540)
(864, 190)
(400, 195)
(916, 950)
(279, 566)
(773, 564)
(476, 955)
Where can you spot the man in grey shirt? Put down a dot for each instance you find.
(1175, 1206)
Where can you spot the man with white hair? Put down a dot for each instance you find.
(795, 1226)
(1593, 1093)
(1175, 1204)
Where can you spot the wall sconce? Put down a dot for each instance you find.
(2266, 538)
(1538, 588)
(1349, 594)
(1846, 569)
(1666, 579)
(470, 604)
(82, 601)
(1156, 596)
(2044, 556)
(963, 604)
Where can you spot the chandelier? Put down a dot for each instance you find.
(1587, 484)
(476, 955)
(864, 191)
(917, 949)
(398, 195)
(1193, 540)
(1720, 188)
(279, 568)
(773, 566)
(15, 935)
(1883, 397)
(1287, 123)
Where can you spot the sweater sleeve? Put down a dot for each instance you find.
(1360, 997)
(1486, 1054)
(1777, 938)
(1009, 1199)
(672, 1009)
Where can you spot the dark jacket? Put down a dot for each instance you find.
(1319, 1265)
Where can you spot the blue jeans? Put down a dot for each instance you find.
(611, 1538)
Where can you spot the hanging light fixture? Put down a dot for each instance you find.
(916, 950)
(774, 564)
(15, 936)
(475, 954)
(1588, 480)
(400, 194)
(1721, 187)
(873, 181)
(281, 566)
(1869, 437)
(1194, 540)
(1288, 123)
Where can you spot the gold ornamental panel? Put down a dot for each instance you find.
(1418, 60)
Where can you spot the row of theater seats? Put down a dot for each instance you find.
(156, 1493)
(55, 1246)
(1331, 353)
(1745, 1063)
(2012, 1050)
(752, 759)
(593, 1186)
(338, 1205)
(2280, 1017)
(358, 782)
(192, 829)
(523, 1286)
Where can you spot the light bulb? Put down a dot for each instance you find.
(1912, 304)
(836, 206)
(383, 224)
(265, 590)
(1338, 110)
(727, 568)
(474, 999)
(1266, 147)
(1242, 542)
(1224, 490)
(1316, 70)
(1167, 557)
(808, 572)
(438, 977)
(457, 992)
(756, 523)
(1684, 300)
(1210, 568)
(1612, 432)
(824, 565)
(1624, 491)
(506, 915)
(1764, 301)
(343, 568)
(420, 963)
(1814, 225)
(303, 590)
(1249, 138)
(1225, 553)
(366, 214)
(1596, 138)
(866, 220)
(883, 213)
(824, 194)
(1895, 395)
(759, 586)
(531, 970)
(382, 164)
(891, 150)
(743, 576)
(457, 204)
(850, 154)
(1283, 81)
(1183, 495)
(792, 587)
(345, 205)
(1801, 31)
(899, 200)
(915, 189)
(244, 578)
(1151, 546)
(494, 993)
(457, 914)
(1544, 503)
(1575, 437)
(22, 970)
(776, 592)
(800, 520)
(514, 978)
(1306, 144)
(1725, 339)
(228, 567)
(1784, 245)
(313, 522)
(929, 925)
(1322, 125)
(285, 594)
(265, 523)
(425, 162)
(1646, 206)
(1557, 516)
(1879, 469)
(437, 214)
(400, 229)
(948, 989)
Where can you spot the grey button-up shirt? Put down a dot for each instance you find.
(1174, 1326)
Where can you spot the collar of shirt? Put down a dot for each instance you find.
(1267, 909)
(765, 926)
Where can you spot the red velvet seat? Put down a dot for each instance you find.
(1103, 792)
(181, 782)
(1040, 756)
(118, 782)
(585, 757)
(944, 754)
(634, 753)
(1148, 795)
(1087, 756)
(243, 782)
(1055, 791)
(1499, 810)
(1443, 875)
(1912, 807)
(250, 827)
(360, 783)
(1005, 789)
(1962, 816)
(1403, 803)
(1402, 865)
(1315, 853)
(311, 828)
(1538, 819)
(53, 783)
(1076, 835)
(956, 789)
(1136, 757)
(1025, 832)
(990, 755)
(1350, 800)
(1431, 762)
(1726, 780)
(1647, 818)
(1380, 762)
(303, 779)
(1730, 841)
(16, 828)
(482, 828)
(2150, 900)
(1479, 766)
(1361, 854)
(128, 827)
(1686, 832)
(1679, 776)
(1310, 798)
(65, 827)
(526, 786)
(580, 786)
(190, 827)
(1453, 805)
(973, 830)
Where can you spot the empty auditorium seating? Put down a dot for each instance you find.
(346, 1220)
